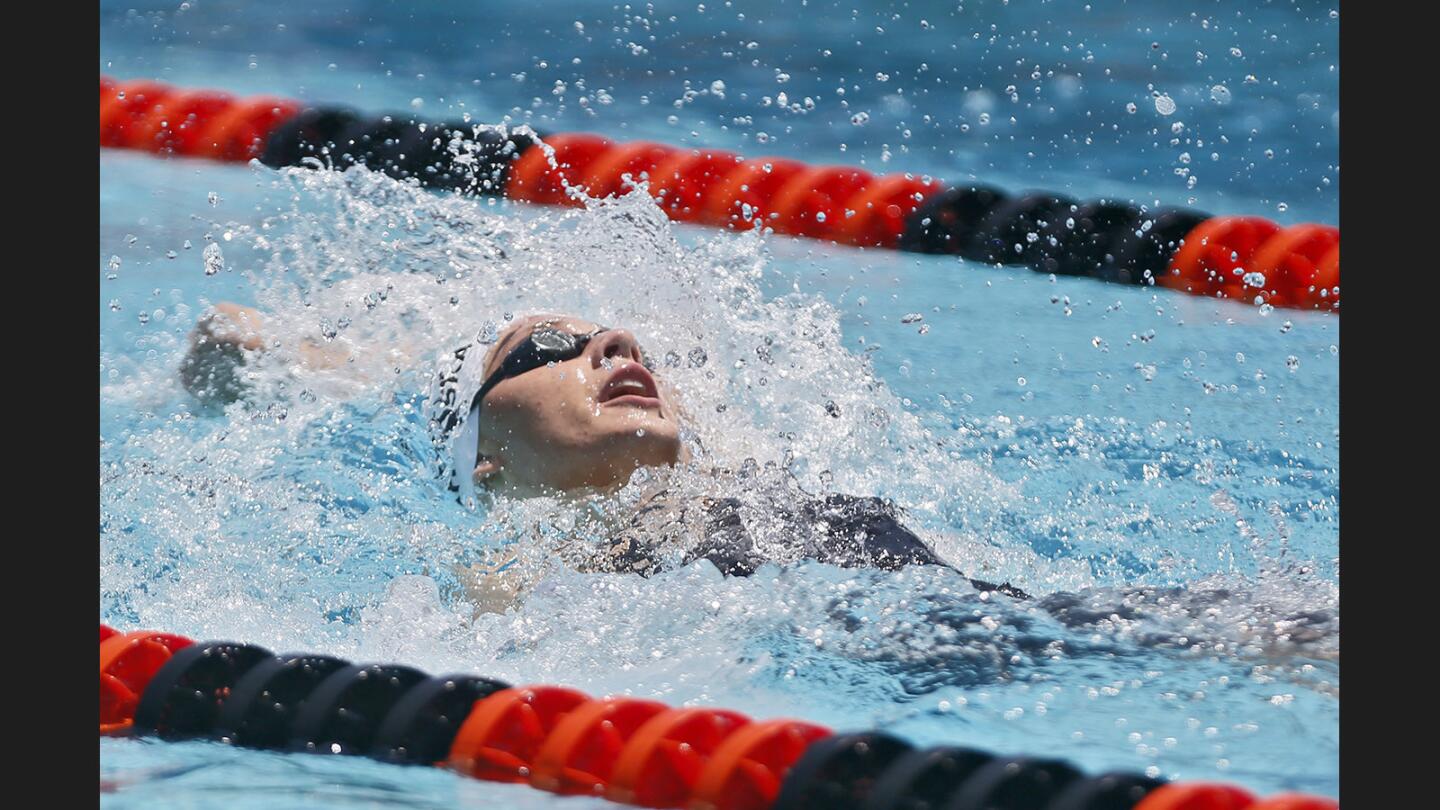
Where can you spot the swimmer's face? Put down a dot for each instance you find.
(585, 422)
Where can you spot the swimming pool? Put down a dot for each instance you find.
(1064, 434)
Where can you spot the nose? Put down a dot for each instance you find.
(614, 344)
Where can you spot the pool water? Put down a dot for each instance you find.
(1170, 462)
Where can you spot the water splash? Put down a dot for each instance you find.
(311, 515)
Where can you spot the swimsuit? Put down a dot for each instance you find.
(786, 525)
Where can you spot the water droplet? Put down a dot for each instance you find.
(1164, 104)
(860, 118)
(1220, 94)
(697, 357)
(214, 198)
(912, 317)
(214, 259)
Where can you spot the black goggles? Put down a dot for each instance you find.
(542, 347)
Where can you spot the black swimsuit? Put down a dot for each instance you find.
(843, 530)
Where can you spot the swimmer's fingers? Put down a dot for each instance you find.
(318, 357)
(492, 589)
(231, 324)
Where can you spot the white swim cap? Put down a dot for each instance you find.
(454, 414)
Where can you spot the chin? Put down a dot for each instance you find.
(659, 443)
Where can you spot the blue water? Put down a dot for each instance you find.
(1067, 435)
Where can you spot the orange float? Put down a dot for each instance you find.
(1290, 261)
(125, 106)
(752, 184)
(1197, 796)
(239, 132)
(663, 760)
(499, 739)
(745, 771)
(1207, 262)
(580, 751)
(814, 202)
(534, 179)
(680, 182)
(1326, 292)
(174, 124)
(127, 663)
(606, 175)
(881, 210)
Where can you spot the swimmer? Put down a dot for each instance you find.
(558, 405)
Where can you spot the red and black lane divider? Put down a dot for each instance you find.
(629, 750)
(1247, 259)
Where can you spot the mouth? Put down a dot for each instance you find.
(631, 384)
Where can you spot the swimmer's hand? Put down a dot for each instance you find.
(219, 345)
(226, 338)
(493, 588)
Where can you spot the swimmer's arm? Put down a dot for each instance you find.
(226, 338)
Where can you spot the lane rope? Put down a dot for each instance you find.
(1246, 259)
(626, 749)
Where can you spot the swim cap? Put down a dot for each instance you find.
(454, 414)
